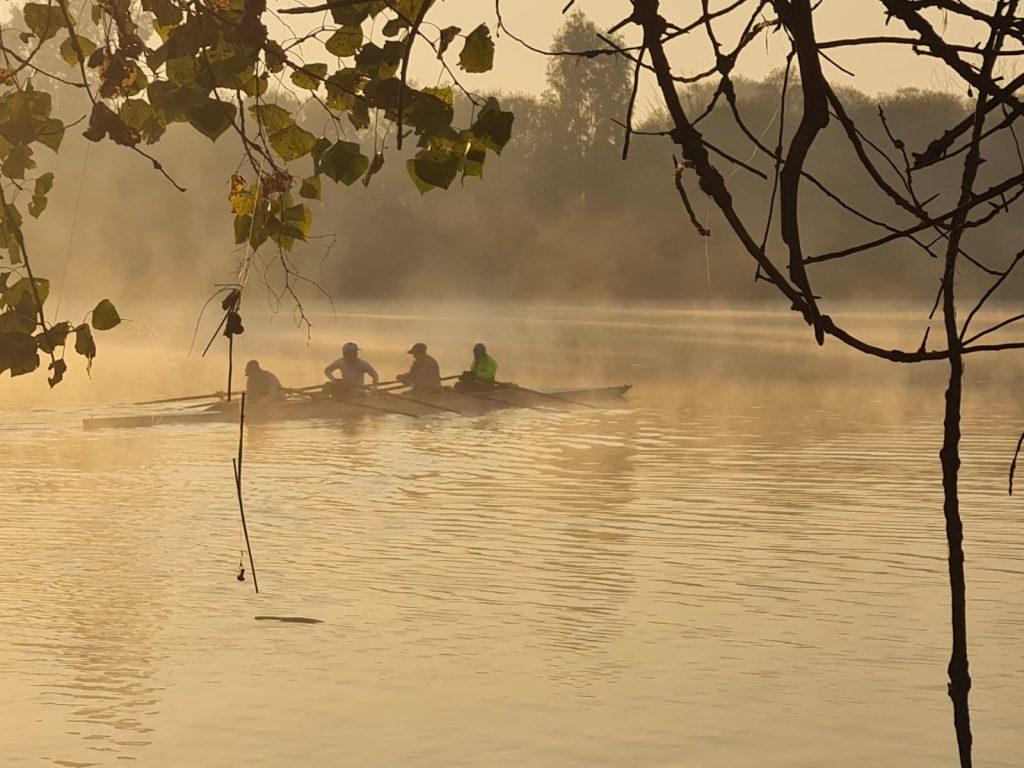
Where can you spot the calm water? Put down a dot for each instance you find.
(741, 565)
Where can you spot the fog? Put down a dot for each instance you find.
(558, 218)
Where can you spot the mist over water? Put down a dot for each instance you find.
(747, 551)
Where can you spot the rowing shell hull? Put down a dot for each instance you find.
(441, 403)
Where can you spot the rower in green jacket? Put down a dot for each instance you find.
(481, 373)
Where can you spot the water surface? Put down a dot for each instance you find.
(742, 564)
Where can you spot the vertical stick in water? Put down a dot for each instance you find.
(231, 361)
(237, 464)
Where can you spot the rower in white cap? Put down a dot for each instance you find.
(353, 370)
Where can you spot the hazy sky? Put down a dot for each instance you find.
(884, 68)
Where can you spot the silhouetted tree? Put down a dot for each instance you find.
(937, 193)
(582, 93)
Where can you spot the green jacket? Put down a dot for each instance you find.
(484, 369)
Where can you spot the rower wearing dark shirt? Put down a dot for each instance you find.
(424, 374)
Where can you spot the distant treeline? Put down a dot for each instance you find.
(559, 216)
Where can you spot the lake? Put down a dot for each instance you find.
(743, 563)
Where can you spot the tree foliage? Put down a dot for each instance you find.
(214, 66)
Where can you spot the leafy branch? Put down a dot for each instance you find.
(214, 66)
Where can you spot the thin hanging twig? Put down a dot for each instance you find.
(237, 463)
(1013, 464)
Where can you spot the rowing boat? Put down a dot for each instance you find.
(380, 404)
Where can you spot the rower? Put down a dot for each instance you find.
(353, 370)
(481, 373)
(261, 386)
(425, 373)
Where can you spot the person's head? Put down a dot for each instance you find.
(350, 350)
(252, 367)
(419, 349)
(479, 351)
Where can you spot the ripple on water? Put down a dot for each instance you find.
(516, 587)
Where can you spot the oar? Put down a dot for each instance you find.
(313, 387)
(411, 400)
(363, 404)
(482, 396)
(358, 404)
(545, 394)
(218, 395)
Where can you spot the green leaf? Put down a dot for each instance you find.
(379, 63)
(383, 93)
(293, 224)
(445, 39)
(321, 146)
(12, 321)
(140, 115)
(355, 13)
(342, 87)
(421, 185)
(24, 114)
(375, 165)
(103, 122)
(182, 70)
(68, 53)
(166, 12)
(292, 142)
(243, 226)
(445, 94)
(407, 9)
(429, 114)
(435, 167)
(53, 337)
(310, 188)
(51, 134)
(21, 297)
(227, 66)
(172, 102)
(344, 162)
(211, 117)
(10, 223)
(394, 26)
(473, 164)
(18, 353)
(478, 51)
(310, 76)
(274, 55)
(18, 162)
(272, 117)
(104, 316)
(84, 343)
(43, 186)
(493, 126)
(345, 41)
(359, 115)
(297, 220)
(240, 196)
(45, 21)
(59, 368)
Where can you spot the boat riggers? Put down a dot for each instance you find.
(381, 403)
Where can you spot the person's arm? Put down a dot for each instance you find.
(411, 375)
(273, 390)
(489, 370)
(369, 369)
(330, 369)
